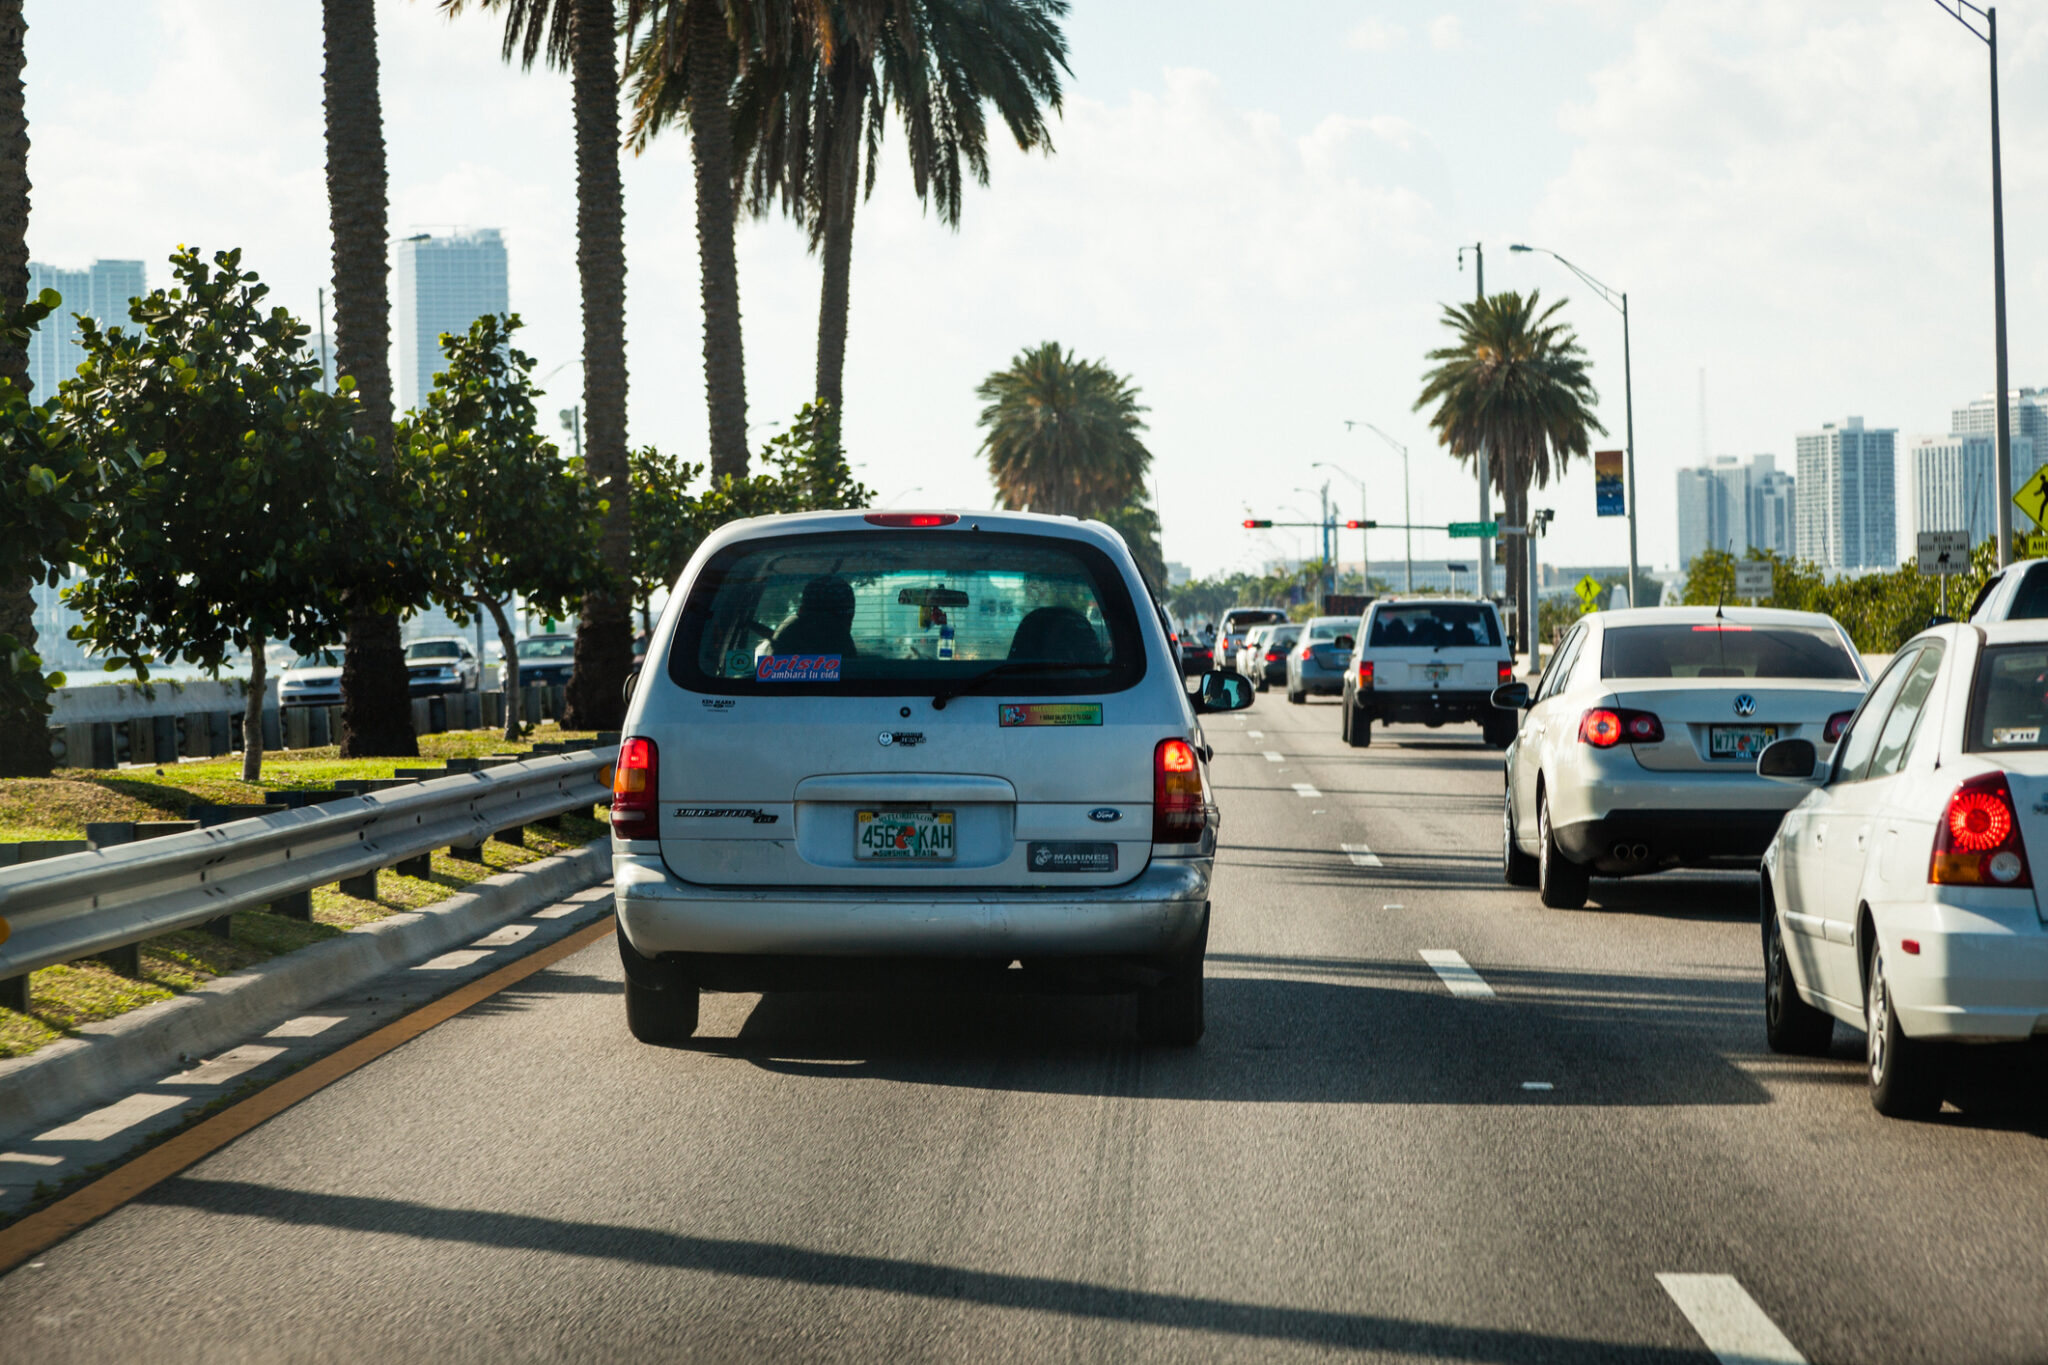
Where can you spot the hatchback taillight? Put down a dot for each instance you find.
(1978, 840)
(1176, 793)
(635, 789)
(1837, 723)
(1365, 672)
(1606, 726)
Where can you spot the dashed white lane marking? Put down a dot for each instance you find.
(1393, 907)
(104, 1123)
(448, 962)
(1304, 789)
(1272, 757)
(1361, 856)
(1729, 1321)
(1456, 972)
(1255, 734)
(305, 1026)
(1538, 1085)
(227, 1066)
(30, 1159)
(505, 937)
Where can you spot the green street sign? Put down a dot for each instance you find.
(1588, 590)
(1474, 530)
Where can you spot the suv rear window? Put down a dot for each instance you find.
(1434, 625)
(877, 613)
(1726, 650)
(2009, 703)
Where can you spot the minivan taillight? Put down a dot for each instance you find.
(1505, 673)
(635, 789)
(1978, 840)
(1176, 793)
(1837, 723)
(1606, 726)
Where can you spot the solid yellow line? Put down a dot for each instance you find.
(42, 1230)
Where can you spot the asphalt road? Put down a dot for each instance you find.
(1355, 1160)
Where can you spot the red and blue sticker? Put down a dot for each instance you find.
(797, 668)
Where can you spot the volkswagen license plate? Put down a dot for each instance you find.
(1739, 741)
(904, 835)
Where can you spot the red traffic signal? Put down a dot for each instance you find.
(1360, 525)
(1252, 525)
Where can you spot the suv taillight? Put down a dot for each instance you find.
(1365, 672)
(635, 789)
(1837, 723)
(1606, 726)
(1176, 793)
(1505, 672)
(1978, 840)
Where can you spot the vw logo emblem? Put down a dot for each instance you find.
(1745, 705)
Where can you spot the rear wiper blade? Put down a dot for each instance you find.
(1012, 669)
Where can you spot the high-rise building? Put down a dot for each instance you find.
(2029, 409)
(101, 292)
(320, 346)
(1728, 505)
(444, 285)
(1955, 484)
(1848, 507)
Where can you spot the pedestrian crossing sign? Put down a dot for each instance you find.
(2032, 497)
(1588, 590)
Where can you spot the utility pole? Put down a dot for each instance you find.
(323, 342)
(1485, 465)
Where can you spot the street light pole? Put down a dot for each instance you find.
(1616, 299)
(1407, 510)
(2001, 397)
(1364, 517)
(1485, 465)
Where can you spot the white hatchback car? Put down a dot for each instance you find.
(1898, 896)
(1638, 752)
(914, 747)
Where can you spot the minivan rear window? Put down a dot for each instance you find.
(1715, 649)
(877, 613)
(1434, 625)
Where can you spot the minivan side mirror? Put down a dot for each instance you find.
(1790, 760)
(626, 688)
(1512, 696)
(1223, 690)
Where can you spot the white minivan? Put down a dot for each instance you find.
(914, 747)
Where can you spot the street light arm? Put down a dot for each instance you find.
(1612, 297)
(1384, 437)
(1954, 10)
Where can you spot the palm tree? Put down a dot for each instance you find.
(24, 734)
(1063, 434)
(376, 709)
(582, 36)
(1516, 381)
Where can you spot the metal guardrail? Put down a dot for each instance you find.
(108, 900)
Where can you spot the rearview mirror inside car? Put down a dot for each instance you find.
(1512, 696)
(1344, 642)
(1789, 760)
(1224, 690)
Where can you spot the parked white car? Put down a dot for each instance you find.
(441, 663)
(1638, 750)
(311, 680)
(1428, 661)
(1898, 896)
(901, 746)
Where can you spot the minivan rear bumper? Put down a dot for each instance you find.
(1161, 910)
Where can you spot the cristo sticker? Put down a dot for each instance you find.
(1049, 713)
(797, 668)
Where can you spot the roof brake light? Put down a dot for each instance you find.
(911, 518)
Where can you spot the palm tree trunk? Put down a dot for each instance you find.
(842, 195)
(604, 628)
(376, 709)
(1517, 499)
(24, 732)
(711, 61)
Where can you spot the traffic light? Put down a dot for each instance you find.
(1252, 525)
(1360, 525)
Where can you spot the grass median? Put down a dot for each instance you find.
(65, 998)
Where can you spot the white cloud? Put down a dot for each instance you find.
(1375, 35)
(1446, 33)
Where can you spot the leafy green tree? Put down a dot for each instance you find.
(1138, 524)
(234, 501)
(376, 711)
(582, 36)
(1516, 382)
(667, 530)
(508, 513)
(1881, 611)
(1063, 434)
(44, 498)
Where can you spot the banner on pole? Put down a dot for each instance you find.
(1610, 493)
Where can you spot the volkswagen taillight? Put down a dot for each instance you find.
(1978, 840)
(1176, 793)
(1365, 672)
(1837, 723)
(635, 789)
(1603, 727)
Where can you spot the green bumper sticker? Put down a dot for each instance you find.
(1048, 713)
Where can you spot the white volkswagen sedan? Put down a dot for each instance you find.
(1898, 896)
(914, 746)
(1638, 752)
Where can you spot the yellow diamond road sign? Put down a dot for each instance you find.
(2032, 497)
(1588, 589)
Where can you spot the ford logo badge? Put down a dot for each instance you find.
(1745, 705)
(1105, 814)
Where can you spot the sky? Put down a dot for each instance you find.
(1257, 219)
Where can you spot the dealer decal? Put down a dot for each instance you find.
(797, 668)
(1048, 713)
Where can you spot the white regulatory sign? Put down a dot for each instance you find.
(1944, 552)
(1752, 578)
